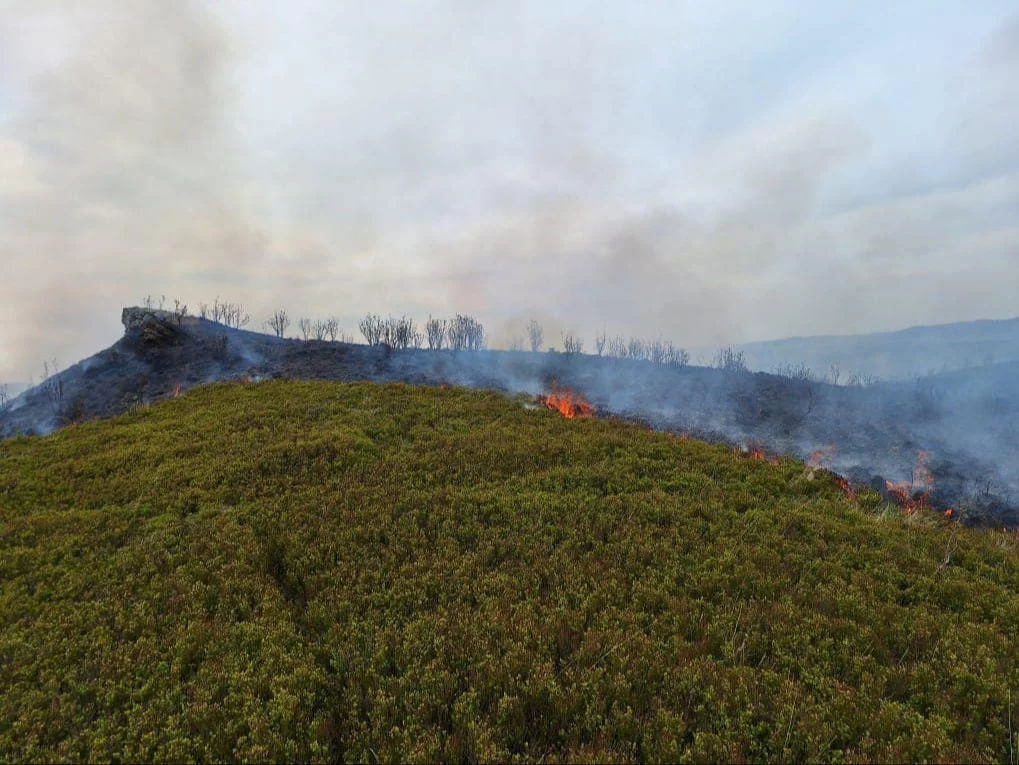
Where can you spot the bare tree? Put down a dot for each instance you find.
(834, 373)
(656, 350)
(572, 343)
(235, 316)
(231, 314)
(516, 343)
(535, 334)
(401, 333)
(636, 349)
(320, 329)
(5, 397)
(676, 357)
(436, 330)
(180, 310)
(371, 328)
(332, 328)
(305, 326)
(278, 322)
(466, 334)
(52, 386)
(599, 342)
(617, 347)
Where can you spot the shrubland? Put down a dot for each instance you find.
(302, 571)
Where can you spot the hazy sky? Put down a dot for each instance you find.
(710, 171)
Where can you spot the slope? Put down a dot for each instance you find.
(964, 424)
(323, 571)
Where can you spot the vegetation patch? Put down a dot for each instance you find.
(313, 571)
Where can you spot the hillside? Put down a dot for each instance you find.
(319, 571)
(902, 354)
(963, 425)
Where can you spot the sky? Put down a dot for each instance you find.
(708, 172)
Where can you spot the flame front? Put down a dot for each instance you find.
(822, 457)
(904, 494)
(569, 404)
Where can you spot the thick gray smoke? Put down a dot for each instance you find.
(713, 173)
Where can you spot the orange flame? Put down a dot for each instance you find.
(569, 404)
(822, 456)
(754, 453)
(843, 484)
(922, 476)
(904, 494)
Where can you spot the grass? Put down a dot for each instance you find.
(318, 571)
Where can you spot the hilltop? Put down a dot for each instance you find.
(317, 571)
(960, 425)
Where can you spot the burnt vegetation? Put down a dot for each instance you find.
(878, 427)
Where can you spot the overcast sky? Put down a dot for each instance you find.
(711, 172)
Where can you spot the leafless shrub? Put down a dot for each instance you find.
(435, 329)
(52, 386)
(535, 335)
(466, 333)
(154, 304)
(332, 328)
(401, 333)
(636, 349)
(861, 380)
(516, 343)
(834, 373)
(371, 328)
(796, 372)
(656, 351)
(617, 347)
(231, 314)
(180, 310)
(730, 360)
(599, 342)
(305, 326)
(320, 329)
(236, 316)
(5, 397)
(278, 322)
(571, 343)
(675, 357)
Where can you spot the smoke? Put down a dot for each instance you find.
(713, 174)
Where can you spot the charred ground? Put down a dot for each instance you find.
(963, 422)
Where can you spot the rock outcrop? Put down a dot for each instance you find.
(153, 327)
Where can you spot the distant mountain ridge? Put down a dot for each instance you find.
(906, 353)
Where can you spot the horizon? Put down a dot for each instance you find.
(727, 175)
(19, 386)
